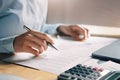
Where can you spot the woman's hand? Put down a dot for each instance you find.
(75, 31)
(32, 42)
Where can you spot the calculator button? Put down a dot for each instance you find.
(83, 75)
(79, 65)
(73, 78)
(79, 79)
(64, 77)
(67, 72)
(95, 68)
(80, 72)
(100, 69)
(91, 71)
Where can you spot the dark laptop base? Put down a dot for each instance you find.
(109, 52)
(105, 58)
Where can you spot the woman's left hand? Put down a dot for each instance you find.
(75, 31)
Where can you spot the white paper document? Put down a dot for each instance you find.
(70, 53)
(110, 65)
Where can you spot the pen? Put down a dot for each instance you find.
(48, 43)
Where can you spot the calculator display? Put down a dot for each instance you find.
(116, 76)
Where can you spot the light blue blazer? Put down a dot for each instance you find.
(16, 13)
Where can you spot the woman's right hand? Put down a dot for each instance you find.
(32, 42)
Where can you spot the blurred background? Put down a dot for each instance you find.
(92, 12)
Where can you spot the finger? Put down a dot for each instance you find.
(42, 36)
(41, 50)
(77, 38)
(79, 33)
(30, 50)
(42, 43)
(37, 42)
(35, 46)
(77, 29)
(88, 33)
(83, 35)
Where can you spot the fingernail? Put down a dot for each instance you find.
(81, 36)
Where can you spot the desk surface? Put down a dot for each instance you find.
(104, 31)
(24, 72)
(32, 74)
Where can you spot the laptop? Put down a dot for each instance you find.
(109, 52)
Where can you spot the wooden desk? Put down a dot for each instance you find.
(24, 72)
(32, 74)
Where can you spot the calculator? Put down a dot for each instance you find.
(83, 72)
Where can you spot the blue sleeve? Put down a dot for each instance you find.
(9, 27)
(6, 45)
(50, 28)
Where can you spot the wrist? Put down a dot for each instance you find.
(59, 31)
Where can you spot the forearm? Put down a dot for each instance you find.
(10, 26)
